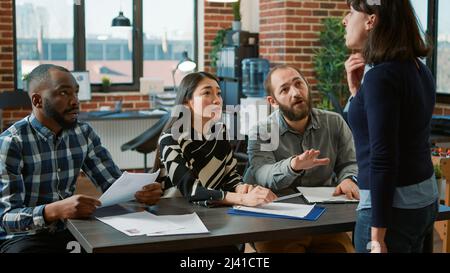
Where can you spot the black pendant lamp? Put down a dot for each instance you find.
(121, 21)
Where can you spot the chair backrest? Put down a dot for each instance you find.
(148, 140)
(14, 99)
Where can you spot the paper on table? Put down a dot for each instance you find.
(323, 195)
(139, 223)
(126, 186)
(286, 209)
(192, 224)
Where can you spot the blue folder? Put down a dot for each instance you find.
(313, 215)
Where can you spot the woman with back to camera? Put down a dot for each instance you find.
(390, 116)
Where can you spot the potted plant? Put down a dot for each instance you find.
(329, 65)
(236, 24)
(106, 83)
(217, 45)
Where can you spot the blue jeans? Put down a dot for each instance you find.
(406, 232)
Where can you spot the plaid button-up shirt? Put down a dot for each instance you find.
(38, 168)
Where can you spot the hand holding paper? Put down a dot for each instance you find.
(126, 187)
(323, 195)
(150, 194)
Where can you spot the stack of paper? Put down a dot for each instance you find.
(145, 223)
(323, 195)
(280, 210)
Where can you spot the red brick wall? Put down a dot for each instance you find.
(129, 102)
(289, 30)
(217, 16)
(6, 55)
(6, 46)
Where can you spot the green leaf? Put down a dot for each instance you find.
(329, 62)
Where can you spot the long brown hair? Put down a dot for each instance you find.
(397, 33)
(184, 93)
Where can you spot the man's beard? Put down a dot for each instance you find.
(295, 114)
(50, 112)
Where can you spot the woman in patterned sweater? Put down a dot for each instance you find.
(198, 159)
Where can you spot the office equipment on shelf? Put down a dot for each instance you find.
(229, 64)
(240, 38)
(254, 73)
(165, 100)
(323, 195)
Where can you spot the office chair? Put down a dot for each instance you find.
(13, 99)
(240, 153)
(147, 141)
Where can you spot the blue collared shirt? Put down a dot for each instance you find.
(38, 168)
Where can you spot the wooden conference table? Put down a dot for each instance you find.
(225, 229)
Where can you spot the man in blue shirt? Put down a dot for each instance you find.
(41, 157)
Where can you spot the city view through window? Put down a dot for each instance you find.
(45, 34)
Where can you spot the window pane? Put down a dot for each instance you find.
(421, 9)
(44, 34)
(109, 49)
(443, 51)
(166, 37)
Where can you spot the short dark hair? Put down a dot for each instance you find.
(397, 34)
(41, 74)
(268, 82)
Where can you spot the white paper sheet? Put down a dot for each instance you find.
(286, 209)
(192, 224)
(323, 195)
(139, 223)
(126, 186)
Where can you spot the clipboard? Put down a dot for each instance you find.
(314, 214)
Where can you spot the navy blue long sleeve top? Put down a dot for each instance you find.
(390, 118)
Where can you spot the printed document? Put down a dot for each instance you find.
(191, 223)
(139, 223)
(126, 186)
(323, 195)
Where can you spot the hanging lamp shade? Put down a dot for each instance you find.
(121, 21)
